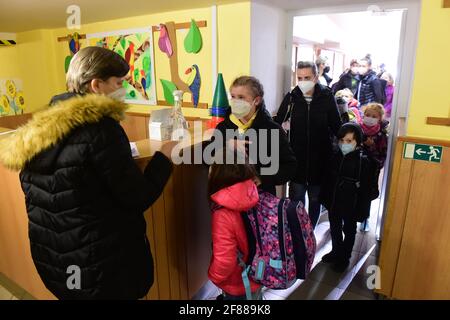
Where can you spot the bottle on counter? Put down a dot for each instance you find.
(180, 125)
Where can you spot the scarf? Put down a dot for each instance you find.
(242, 127)
(370, 131)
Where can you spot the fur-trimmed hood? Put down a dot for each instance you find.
(50, 126)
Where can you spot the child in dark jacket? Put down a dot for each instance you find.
(346, 193)
(232, 190)
(375, 139)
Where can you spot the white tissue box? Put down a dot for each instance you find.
(159, 131)
(160, 125)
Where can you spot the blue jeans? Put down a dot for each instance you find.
(297, 193)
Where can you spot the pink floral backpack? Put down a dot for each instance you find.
(285, 242)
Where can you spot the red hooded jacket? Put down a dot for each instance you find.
(229, 236)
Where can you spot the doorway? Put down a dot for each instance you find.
(388, 33)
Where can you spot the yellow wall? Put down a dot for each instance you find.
(431, 88)
(38, 59)
(31, 60)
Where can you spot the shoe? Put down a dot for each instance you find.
(364, 226)
(341, 266)
(330, 257)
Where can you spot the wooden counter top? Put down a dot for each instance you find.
(147, 147)
(3, 130)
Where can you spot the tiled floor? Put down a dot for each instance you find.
(323, 283)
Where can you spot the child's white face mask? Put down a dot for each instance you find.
(369, 121)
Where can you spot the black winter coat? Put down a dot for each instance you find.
(85, 198)
(286, 159)
(371, 89)
(347, 80)
(346, 190)
(311, 130)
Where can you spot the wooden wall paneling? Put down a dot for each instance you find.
(135, 127)
(198, 225)
(171, 222)
(15, 254)
(423, 271)
(12, 122)
(160, 231)
(182, 217)
(153, 293)
(395, 219)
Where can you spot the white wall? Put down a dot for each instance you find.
(268, 25)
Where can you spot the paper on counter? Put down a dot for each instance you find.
(134, 150)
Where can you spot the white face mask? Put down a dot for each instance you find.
(306, 86)
(119, 94)
(355, 70)
(240, 108)
(363, 70)
(370, 122)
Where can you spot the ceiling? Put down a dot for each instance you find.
(23, 15)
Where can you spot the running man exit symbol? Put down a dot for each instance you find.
(423, 152)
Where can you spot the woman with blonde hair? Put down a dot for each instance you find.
(84, 194)
(248, 111)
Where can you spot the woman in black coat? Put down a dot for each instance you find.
(370, 87)
(276, 164)
(84, 194)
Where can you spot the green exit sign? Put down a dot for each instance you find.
(423, 152)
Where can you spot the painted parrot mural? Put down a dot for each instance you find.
(129, 57)
(194, 82)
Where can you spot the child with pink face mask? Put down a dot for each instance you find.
(375, 142)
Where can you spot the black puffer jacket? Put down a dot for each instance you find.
(311, 130)
(286, 159)
(85, 199)
(371, 89)
(346, 191)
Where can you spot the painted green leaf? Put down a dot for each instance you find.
(123, 42)
(67, 63)
(193, 40)
(146, 63)
(168, 87)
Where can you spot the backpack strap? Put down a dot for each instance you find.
(258, 232)
(289, 107)
(244, 275)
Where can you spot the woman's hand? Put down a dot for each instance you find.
(167, 148)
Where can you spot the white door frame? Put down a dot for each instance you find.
(406, 58)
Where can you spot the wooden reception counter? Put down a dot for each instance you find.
(178, 227)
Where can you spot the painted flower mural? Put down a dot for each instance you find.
(12, 99)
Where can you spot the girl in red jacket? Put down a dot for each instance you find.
(232, 190)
